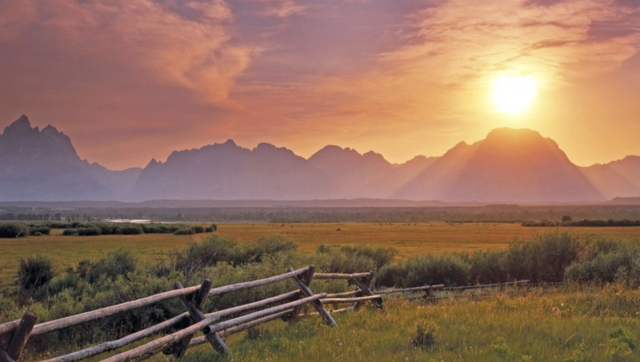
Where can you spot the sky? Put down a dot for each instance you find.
(132, 80)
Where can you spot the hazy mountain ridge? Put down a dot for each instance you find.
(509, 166)
(43, 165)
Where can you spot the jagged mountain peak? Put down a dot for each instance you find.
(19, 126)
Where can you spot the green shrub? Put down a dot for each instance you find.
(185, 231)
(424, 337)
(621, 344)
(380, 256)
(13, 230)
(34, 272)
(542, 259)
(607, 262)
(195, 257)
(446, 269)
(333, 260)
(70, 232)
(265, 245)
(197, 229)
(131, 230)
(391, 275)
(39, 230)
(89, 231)
(486, 267)
(120, 262)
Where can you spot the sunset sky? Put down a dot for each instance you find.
(131, 80)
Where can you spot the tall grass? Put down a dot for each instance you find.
(564, 327)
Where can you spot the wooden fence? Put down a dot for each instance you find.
(213, 325)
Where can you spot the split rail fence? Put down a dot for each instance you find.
(214, 325)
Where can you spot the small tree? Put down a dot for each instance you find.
(567, 218)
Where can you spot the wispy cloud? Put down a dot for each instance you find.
(128, 39)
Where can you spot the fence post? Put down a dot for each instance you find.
(194, 308)
(316, 303)
(306, 279)
(364, 288)
(19, 338)
(4, 356)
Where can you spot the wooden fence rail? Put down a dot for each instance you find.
(213, 325)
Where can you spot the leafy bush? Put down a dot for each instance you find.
(34, 272)
(265, 245)
(486, 266)
(448, 269)
(380, 256)
(40, 230)
(185, 231)
(117, 263)
(391, 275)
(131, 230)
(195, 257)
(542, 259)
(70, 232)
(197, 229)
(13, 230)
(89, 231)
(424, 337)
(334, 260)
(606, 262)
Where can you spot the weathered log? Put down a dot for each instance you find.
(316, 304)
(197, 316)
(21, 335)
(4, 356)
(482, 286)
(73, 320)
(240, 328)
(350, 300)
(9, 327)
(257, 283)
(414, 289)
(340, 275)
(342, 310)
(245, 307)
(149, 349)
(343, 294)
(119, 343)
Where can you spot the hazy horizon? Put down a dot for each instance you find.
(133, 80)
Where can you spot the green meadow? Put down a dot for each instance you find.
(593, 316)
(574, 325)
(408, 238)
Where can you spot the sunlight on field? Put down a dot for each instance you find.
(408, 238)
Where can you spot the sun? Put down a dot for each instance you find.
(513, 94)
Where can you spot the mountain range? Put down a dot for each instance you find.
(509, 166)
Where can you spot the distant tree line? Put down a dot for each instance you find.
(583, 223)
(20, 229)
(491, 213)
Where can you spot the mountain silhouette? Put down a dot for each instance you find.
(43, 165)
(509, 166)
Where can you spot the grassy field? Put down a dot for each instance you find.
(571, 326)
(408, 238)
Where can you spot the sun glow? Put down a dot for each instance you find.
(513, 94)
